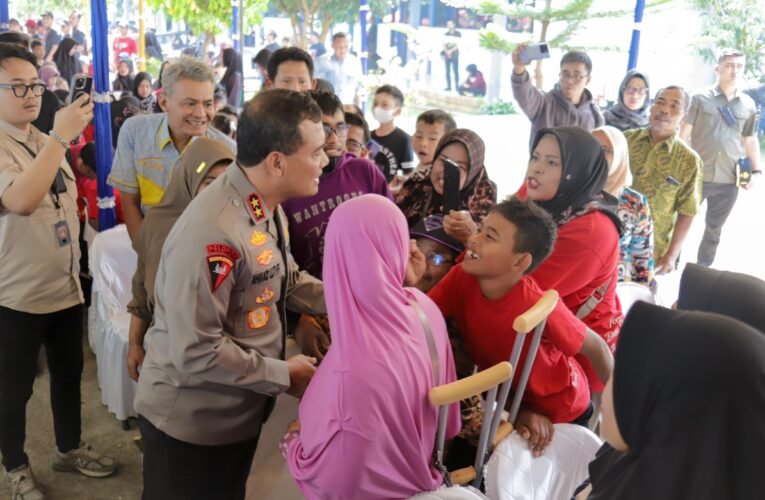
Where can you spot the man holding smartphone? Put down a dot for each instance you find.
(722, 128)
(568, 104)
(40, 295)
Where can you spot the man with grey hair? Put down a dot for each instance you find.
(149, 146)
(722, 128)
(668, 172)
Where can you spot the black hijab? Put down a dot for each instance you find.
(232, 61)
(622, 117)
(736, 295)
(124, 83)
(689, 400)
(585, 170)
(147, 103)
(67, 65)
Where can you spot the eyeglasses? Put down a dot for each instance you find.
(341, 129)
(636, 90)
(576, 77)
(608, 151)
(21, 90)
(437, 259)
(354, 146)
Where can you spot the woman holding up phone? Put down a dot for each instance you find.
(426, 193)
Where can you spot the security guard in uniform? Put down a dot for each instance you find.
(215, 354)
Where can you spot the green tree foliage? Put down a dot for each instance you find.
(319, 15)
(208, 17)
(558, 21)
(33, 9)
(736, 24)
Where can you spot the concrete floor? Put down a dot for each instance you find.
(269, 480)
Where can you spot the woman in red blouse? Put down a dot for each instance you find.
(566, 175)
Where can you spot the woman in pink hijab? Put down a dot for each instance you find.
(367, 428)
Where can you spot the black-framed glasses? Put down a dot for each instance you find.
(576, 77)
(354, 146)
(636, 90)
(21, 89)
(437, 259)
(341, 129)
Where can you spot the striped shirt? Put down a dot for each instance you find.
(146, 157)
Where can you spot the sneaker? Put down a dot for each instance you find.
(22, 484)
(84, 460)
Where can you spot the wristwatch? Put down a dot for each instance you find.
(756, 172)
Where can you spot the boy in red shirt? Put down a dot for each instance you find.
(491, 287)
(87, 186)
(124, 44)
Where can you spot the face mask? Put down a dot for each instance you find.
(383, 115)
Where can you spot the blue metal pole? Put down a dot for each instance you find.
(4, 16)
(235, 26)
(102, 114)
(635, 44)
(363, 11)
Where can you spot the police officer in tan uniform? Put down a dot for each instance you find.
(40, 295)
(215, 354)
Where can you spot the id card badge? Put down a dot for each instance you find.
(63, 236)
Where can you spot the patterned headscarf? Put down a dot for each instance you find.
(418, 199)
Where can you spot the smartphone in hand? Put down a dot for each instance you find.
(81, 84)
(451, 186)
(534, 52)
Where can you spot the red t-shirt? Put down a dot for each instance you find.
(557, 385)
(88, 189)
(585, 258)
(124, 45)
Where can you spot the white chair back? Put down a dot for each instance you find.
(113, 263)
(513, 473)
(629, 293)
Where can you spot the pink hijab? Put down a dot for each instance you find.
(367, 427)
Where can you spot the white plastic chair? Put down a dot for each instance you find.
(494, 429)
(513, 473)
(113, 263)
(629, 293)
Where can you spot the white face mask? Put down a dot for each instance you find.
(383, 115)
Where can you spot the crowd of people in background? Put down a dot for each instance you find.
(291, 214)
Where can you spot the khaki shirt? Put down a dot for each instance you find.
(215, 352)
(719, 144)
(39, 262)
(668, 173)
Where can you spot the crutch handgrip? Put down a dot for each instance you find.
(470, 386)
(537, 313)
(463, 476)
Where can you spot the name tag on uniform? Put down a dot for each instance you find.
(63, 236)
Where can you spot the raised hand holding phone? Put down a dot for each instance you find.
(71, 120)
